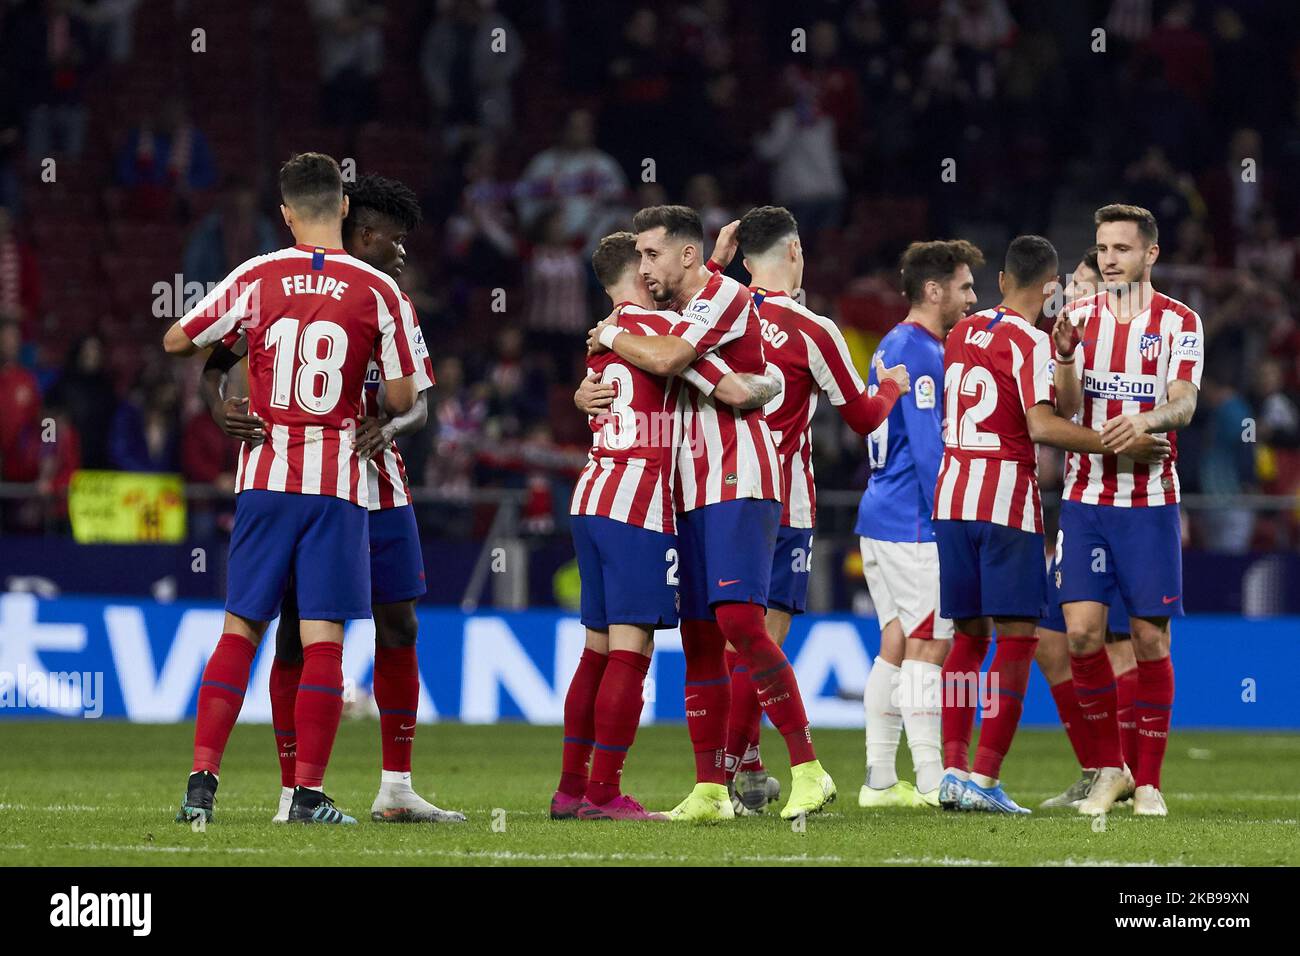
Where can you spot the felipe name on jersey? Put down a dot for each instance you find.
(308, 284)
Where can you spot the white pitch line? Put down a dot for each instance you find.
(509, 855)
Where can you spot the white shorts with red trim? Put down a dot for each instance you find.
(903, 578)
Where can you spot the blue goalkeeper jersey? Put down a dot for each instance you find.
(906, 451)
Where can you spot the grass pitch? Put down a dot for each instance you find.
(95, 793)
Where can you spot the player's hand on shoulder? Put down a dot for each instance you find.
(898, 374)
(593, 396)
(236, 424)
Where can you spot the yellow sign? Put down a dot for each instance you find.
(126, 507)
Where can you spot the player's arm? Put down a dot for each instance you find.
(865, 413)
(1048, 428)
(832, 369)
(215, 316)
(747, 389)
(1066, 381)
(393, 353)
(227, 410)
(1120, 435)
(376, 434)
(662, 355)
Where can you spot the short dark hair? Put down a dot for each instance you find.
(1090, 260)
(1029, 260)
(763, 227)
(923, 262)
(614, 255)
(1121, 212)
(381, 196)
(312, 184)
(679, 222)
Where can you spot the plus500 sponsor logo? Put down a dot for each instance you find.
(1116, 386)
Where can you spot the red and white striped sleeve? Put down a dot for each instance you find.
(707, 372)
(218, 315)
(394, 351)
(829, 361)
(1186, 346)
(1032, 356)
(419, 351)
(717, 316)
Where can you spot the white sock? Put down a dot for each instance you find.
(919, 701)
(391, 778)
(286, 791)
(980, 780)
(884, 725)
(962, 775)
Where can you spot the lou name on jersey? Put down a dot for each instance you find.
(307, 284)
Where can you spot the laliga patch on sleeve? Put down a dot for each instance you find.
(924, 391)
(1187, 345)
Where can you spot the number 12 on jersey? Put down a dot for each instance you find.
(970, 396)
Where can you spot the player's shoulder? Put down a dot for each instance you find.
(796, 313)
(1013, 327)
(377, 279)
(1179, 314)
(721, 290)
(270, 262)
(646, 321)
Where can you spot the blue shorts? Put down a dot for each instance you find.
(320, 540)
(726, 553)
(396, 560)
(1136, 552)
(629, 574)
(988, 569)
(1054, 619)
(790, 565)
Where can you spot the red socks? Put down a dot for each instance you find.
(1008, 679)
(397, 694)
(284, 691)
(1067, 708)
(961, 674)
(1125, 694)
(771, 674)
(618, 711)
(580, 722)
(1094, 683)
(1154, 706)
(745, 717)
(708, 697)
(317, 710)
(221, 694)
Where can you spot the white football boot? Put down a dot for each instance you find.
(1111, 785)
(1149, 802)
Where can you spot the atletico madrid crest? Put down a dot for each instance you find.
(1150, 345)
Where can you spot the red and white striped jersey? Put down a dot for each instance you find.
(386, 472)
(629, 471)
(725, 453)
(996, 367)
(807, 353)
(312, 319)
(1125, 369)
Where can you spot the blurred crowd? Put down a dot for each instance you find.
(532, 127)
